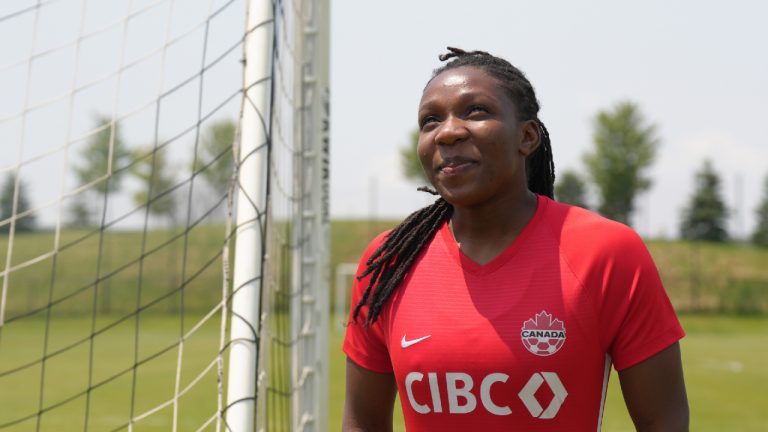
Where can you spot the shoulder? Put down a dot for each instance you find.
(582, 231)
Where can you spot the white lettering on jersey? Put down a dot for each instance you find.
(485, 394)
(409, 379)
(454, 393)
(459, 388)
(435, 390)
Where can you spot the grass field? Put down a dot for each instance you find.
(724, 354)
(722, 278)
(114, 351)
(724, 360)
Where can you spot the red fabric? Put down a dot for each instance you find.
(522, 341)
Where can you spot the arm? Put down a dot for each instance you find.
(654, 391)
(369, 401)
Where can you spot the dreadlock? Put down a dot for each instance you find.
(390, 262)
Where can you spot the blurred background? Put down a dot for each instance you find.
(655, 109)
(695, 71)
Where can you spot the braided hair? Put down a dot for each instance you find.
(390, 262)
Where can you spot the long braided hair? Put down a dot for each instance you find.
(390, 262)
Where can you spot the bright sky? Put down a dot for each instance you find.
(697, 69)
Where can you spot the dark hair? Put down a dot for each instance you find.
(390, 262)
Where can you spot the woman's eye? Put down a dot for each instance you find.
(477, 108)
(427, 120)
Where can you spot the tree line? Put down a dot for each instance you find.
(104, 163)
(625, 145)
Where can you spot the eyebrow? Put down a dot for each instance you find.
(464, 97)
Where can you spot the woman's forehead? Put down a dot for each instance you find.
(462, 79)
(457, 75)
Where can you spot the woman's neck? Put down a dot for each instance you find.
(483, 232)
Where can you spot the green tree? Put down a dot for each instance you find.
(705, 216)
(79, 213)
(216, 160)
(26, 223)
(571, 189)
(410, 163)
(157, 180)
(102, 155)
(760, 236)
(625, 146)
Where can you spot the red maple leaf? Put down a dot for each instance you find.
(543, 321)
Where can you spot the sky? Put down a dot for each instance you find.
(696, 69)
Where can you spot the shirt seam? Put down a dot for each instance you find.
(576, 276)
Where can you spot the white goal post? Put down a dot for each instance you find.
(310, 225)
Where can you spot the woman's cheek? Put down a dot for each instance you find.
(425, 157)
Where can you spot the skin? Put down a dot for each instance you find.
(473, 147)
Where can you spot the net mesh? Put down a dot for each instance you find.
(119, 125)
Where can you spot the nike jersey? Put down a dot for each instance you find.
(526, 341)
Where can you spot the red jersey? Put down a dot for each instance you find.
(526, 341)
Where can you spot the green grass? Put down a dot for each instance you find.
(725, 278)
(723, 354)
(699, 277)
(111, 270)
(113, 355)
(724, 360)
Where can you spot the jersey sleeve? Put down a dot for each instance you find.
(636, 316)
(365, 345)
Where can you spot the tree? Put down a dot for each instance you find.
(705, 216)
(79, 213)
(26, 223)
(571, 189)
(409, 160)
(157, 180)
(760, 236)
(625, 146)
(104, 151)
(216, 161)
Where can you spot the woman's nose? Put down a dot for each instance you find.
(452, 130)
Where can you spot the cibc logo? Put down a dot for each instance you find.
(463, 396)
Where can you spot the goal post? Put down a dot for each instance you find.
(253, 176)
(164, 215)
(310, 326)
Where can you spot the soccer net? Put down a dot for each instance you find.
(163, 215)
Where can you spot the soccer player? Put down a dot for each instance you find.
(497, 308)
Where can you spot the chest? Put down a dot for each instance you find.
(462, 342)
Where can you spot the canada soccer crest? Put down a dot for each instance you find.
(543, 335)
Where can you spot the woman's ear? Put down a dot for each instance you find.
(531, 137)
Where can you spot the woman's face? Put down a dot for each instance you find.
(471, 144)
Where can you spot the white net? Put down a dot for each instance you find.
(119, 188)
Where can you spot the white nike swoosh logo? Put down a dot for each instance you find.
(406, 343)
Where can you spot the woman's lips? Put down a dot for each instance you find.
(457, 168)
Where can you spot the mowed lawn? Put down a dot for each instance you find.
(724, 356)
(118, 388)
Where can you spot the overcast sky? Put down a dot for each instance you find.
(697, 69)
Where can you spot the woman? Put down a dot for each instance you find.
(497, 308)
